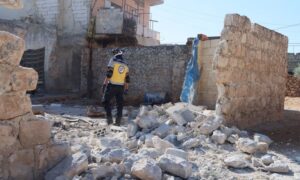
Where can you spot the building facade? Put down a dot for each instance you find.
(58, 30)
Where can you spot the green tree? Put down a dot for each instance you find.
(297, 71)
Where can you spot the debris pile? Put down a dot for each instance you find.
(177, 141)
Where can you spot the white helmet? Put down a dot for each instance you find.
(118, 52)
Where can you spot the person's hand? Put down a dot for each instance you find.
(126, 92)
(104, 88)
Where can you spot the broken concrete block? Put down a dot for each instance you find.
(191, 143)
(182, 116)
(148, 140)
(170, 109)
(262, 138)
(116, 155)
(132, 128)
(150, 152)
(69, 167)
(12, 49)
(177, 152)
(35, 131)
(218, 137)
(175, 165)
(267, 159)
(132, 144)
(147, 121)
(143, 111)
(161, 145)
(102, 171)
(146, 169)
(109, 142)
(233, 138)
(162, 131)
(172, 139)
(237, 160)
(226, 130)
(277, 167)
(256, 163)
(210, 124)
(247, 145)
(262, 147)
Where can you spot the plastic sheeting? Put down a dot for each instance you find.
(192, 75)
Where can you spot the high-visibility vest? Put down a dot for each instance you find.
(120, 71)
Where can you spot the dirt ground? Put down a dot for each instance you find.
(292, 103)
(287, 129)
(286, 132)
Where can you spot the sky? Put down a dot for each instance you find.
(180, 19)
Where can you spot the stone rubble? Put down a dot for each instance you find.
(182, 152)
(146, 169)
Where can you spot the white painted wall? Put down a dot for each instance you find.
(69, 16)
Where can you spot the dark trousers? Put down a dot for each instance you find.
(112, 91)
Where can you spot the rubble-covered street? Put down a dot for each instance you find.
(149, 90)
(163, 142)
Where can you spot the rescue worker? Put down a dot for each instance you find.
(115, 85)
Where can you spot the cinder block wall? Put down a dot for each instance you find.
(48, 10)
(206, 93)
(152, 69)
(251, 69)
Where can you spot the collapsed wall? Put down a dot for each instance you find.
(26, 149)
(251, 67)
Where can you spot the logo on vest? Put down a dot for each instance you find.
(121, 69)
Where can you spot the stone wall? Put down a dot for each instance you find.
(293, 61)
(292, 86)
(250, 66)
(26, 149)
(152, 69)
(48, 11)
(207, 89)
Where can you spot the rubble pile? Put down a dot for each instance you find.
(177, 141)
(26, 149)
(293, 86)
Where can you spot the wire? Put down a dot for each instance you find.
(288, 26)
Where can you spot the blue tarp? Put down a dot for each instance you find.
(192, 75)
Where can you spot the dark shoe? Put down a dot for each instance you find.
(118, 121)
(109, 120)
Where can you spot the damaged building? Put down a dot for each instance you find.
(242, 76)
(56, 31)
